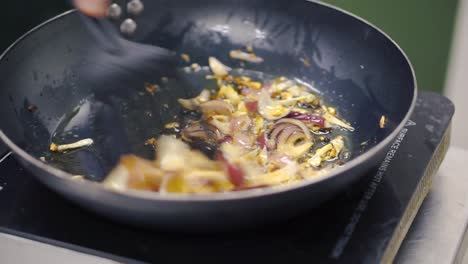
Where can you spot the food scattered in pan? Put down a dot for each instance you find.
(259, 132)
(248, 132)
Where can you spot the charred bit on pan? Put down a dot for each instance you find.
(151, 142)
(32, 108)
(152, 88)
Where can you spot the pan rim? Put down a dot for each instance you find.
(219, 197)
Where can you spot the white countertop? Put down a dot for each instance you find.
(436, 236)
(438, 231)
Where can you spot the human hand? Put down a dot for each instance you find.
(94, 8)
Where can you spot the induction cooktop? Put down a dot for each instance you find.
(364, 224)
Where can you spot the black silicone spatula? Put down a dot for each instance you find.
(120, 56)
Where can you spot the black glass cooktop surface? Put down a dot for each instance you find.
(364, 224)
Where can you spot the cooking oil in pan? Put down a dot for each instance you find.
(122, 122)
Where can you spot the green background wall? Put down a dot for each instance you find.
(423, 28)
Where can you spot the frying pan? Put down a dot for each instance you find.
(53, 89)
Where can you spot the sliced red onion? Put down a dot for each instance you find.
(277, 130)
(271, 109)
(280, 160)
(235, 174)
(240, 123)
(218, 134)
(240, 127)
(217, 107)
(244, 140)
(190, 135)
(252, 106)
(248, 91)
(226, 139)
(287, 132)
(267, 87)
(283, 137)
(262, 141)
(194, 131)
(309, 118)
(296, 123)
(198, 131)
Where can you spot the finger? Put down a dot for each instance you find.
(94, 8)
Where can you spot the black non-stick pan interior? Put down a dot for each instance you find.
(52, 89)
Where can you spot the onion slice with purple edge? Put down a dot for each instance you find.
(309, 118)
(198, 131)
(292, 137)
(194, 103)
(271, 109)
(240, 131)
(216, 107)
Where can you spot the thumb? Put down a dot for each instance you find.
(94, 8)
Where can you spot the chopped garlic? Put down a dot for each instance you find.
(327, 152)
(228, 92)
(79, 144)
(335, 121)
(338, 144)
(194, 103)
(196, 67)
(217, 67)
(382, 122)
(171, 125)
(316, 160)
(185, 57)
(240, 55)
